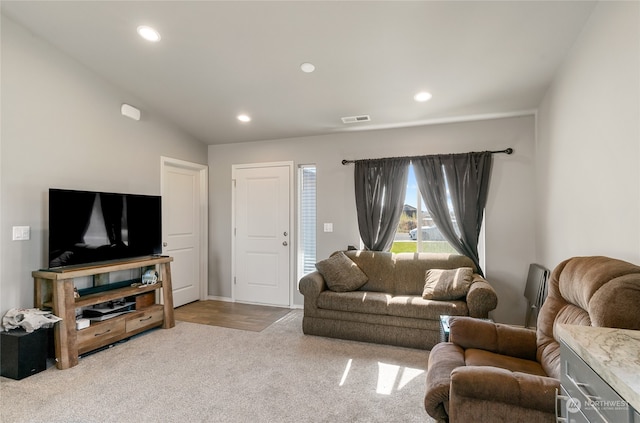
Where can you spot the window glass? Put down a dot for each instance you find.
(307, 219)
(408, 237)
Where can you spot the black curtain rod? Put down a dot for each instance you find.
(505, 151)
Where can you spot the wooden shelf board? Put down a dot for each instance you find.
(114, 294)
(73, 272)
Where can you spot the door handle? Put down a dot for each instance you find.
(285, 233)
(285, 243)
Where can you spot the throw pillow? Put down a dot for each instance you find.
(341, 273)
(447, 284)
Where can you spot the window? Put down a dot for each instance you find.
(307, 219)
(409, 238)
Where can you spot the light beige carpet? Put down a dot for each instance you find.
(199, 373)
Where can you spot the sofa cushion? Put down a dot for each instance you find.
(447, 284)
(356, 301)
(341, 274)
(475, 357)
(411, 306)
(415, 307)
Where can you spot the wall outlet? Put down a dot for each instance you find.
(21, 233)
(328, 227)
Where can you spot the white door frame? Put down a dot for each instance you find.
(292, 226)
(203, 173)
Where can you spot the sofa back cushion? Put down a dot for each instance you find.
(402, 273)
(379, 268)
(590, 291)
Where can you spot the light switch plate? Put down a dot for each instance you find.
(328, 227)
(21, 233)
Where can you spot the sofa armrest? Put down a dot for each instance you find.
(481, 298)
(312, 284)
(508, 340)
(472, 385)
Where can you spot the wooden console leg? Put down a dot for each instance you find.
(37, 292)
(65, 330)
(167, 296)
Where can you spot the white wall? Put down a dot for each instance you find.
(61, 127)
(588, 153)
(509, 217)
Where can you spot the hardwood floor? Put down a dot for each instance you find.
(249, 317)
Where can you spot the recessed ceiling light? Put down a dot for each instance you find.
(422, 96)
(244, 118)
(149, 33)
(307, 67)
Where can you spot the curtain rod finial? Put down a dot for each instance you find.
(509, 151)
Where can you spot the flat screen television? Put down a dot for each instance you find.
(87, 227)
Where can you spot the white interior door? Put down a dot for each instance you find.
(262, 241)
(184, 230)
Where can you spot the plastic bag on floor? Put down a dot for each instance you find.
(29, 319)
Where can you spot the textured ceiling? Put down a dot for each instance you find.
(219, 59)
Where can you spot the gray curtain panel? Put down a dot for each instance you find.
(380, 187)
(467, 176)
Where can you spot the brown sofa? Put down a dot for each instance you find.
(389, 308)
(490, 372)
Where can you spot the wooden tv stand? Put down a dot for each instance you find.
(55, 289)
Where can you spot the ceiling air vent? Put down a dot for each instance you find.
(355, 119)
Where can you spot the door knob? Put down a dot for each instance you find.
(285, 243)
(285, 233)
(164, 244)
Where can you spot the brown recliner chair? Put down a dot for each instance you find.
(490, 372)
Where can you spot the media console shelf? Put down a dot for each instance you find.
(56, 290)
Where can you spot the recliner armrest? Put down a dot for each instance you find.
(508, 340)
(493, 384)
(443, 359)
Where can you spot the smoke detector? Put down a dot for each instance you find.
(356, 119)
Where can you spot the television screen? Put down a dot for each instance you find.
(89, 227)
